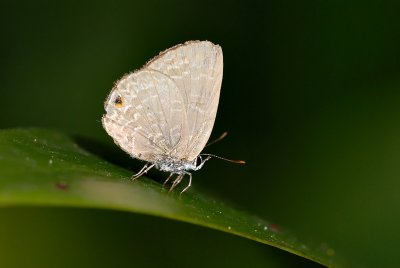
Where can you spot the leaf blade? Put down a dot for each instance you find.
(46, 168)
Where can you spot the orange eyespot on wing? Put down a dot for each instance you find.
(118, 102)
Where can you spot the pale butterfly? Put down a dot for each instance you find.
(164, 113)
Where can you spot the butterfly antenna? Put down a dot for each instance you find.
(229, 160)
(218, 139)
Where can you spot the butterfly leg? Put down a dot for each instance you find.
(142, 171)
(190, 183)
(176, 181)
(169, 177)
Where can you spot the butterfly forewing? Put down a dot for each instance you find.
(196, 68)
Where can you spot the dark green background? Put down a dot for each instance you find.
(310, 99)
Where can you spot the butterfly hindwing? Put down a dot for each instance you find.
(146, 114)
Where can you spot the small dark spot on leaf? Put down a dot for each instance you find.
(275, 228)
(62, 186)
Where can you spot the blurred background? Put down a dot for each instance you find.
(310, 99)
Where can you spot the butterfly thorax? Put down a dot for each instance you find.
(173, 165)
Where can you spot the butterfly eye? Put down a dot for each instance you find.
(118, 102)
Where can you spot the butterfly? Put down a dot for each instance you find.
(164, 112)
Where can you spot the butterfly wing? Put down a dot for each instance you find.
(145, 115)
(196, 68)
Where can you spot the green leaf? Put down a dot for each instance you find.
(47, 168)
